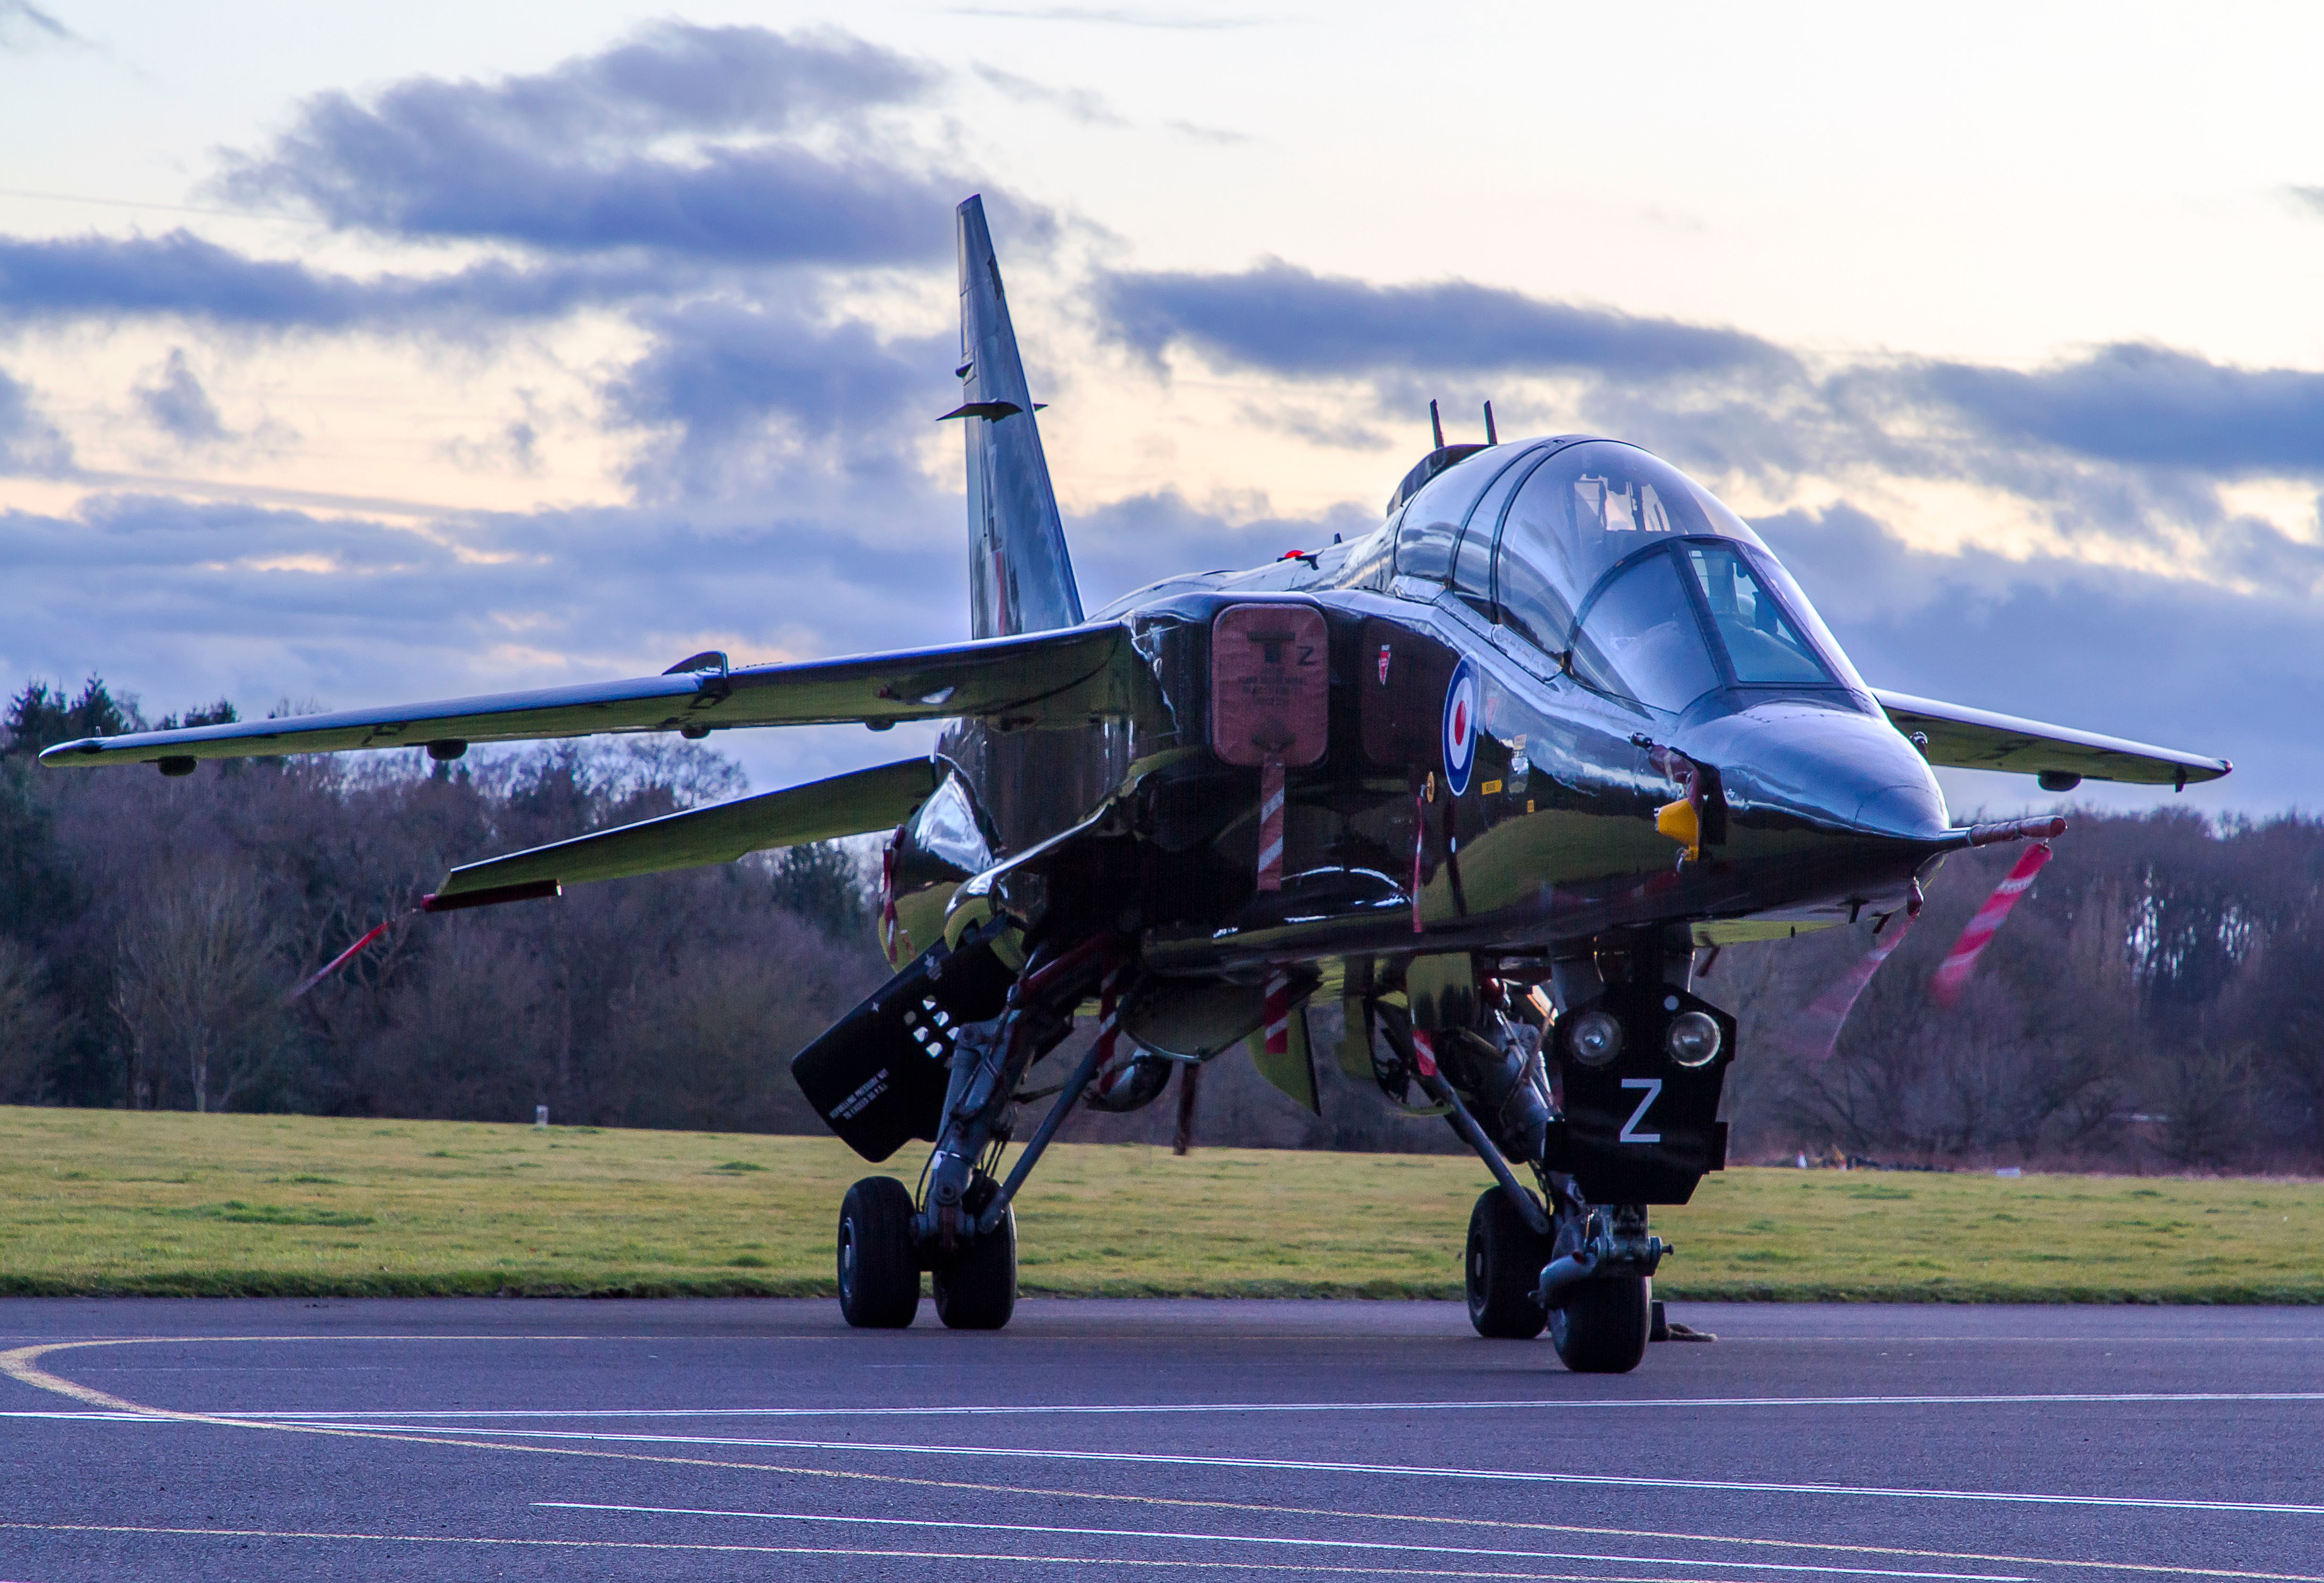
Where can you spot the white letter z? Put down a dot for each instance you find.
(1629, 1132)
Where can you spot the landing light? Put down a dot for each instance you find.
(1693, 1039)
(1596, 1038)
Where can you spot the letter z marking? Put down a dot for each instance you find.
(1630, 1133)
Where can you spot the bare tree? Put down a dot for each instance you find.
(197, 988)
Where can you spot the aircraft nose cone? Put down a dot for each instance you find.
(1835, 768)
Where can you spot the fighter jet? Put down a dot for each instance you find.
(1485, 777)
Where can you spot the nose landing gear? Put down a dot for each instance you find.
(1633, 1122)
(1599, 1291)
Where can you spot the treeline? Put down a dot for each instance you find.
(2156, 1002)
(151, 928)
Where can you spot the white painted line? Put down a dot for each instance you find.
(1304, 1544)
(1122, 1409)
(1393, 1470)
(852, 1553)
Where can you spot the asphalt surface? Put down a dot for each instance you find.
(485, 1439)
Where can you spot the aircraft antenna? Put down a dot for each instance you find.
(1435, 426)
(1493, 436)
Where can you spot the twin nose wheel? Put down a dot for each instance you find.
(1600, 1327)
(879, 1265)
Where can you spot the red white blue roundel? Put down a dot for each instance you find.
(1464, 700)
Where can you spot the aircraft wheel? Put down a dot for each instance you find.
(976, 1287)
(1602, 1327)
(879, 1274)
(1505, 1257)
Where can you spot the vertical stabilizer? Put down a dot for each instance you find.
(1020, 578)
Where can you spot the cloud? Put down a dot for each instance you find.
(29, 443)
(1114, 16)
(1080, 103)
(180, 274)
(257, 603)
(1126, 544)
(2145, 406)
(1225, 137)
(2154, 659)
(25, 26)
(752, 403)
(1288, 320)
(1744, 401)
(611, 151)
(175, 402)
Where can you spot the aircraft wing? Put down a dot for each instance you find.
(855, 804)
(1041, 678)
(1960, 737)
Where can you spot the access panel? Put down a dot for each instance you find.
(878, 1076)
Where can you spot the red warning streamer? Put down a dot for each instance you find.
(1952, 976)
(344, 957)
(1815, 1031)
(529, 891)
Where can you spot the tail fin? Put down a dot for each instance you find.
(1020, 578)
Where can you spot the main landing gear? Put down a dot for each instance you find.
(879, 1266)
(962, 1230)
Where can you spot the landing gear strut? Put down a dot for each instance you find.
(1599, 1291)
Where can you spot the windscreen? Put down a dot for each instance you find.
(1640, 639)
(1763, 645)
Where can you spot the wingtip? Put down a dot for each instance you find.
(83, 747)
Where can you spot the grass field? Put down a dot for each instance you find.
(116, 1201)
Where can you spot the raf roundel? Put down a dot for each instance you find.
(1462, 699)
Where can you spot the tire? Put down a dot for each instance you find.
(976, 1288)
(1504, 1266)
(1602, 1328)
(879, 1274)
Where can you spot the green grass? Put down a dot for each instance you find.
(171, 1203)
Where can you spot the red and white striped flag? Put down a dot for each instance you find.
(1816, 1030)
(1952, 975)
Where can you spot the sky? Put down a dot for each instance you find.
(351, 355)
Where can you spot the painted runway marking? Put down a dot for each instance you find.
(1322, 1543)
(833, 1551)
(1398, 1470)
(23, 1363)
(1118, 1409)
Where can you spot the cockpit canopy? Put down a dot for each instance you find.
(1620, 567)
